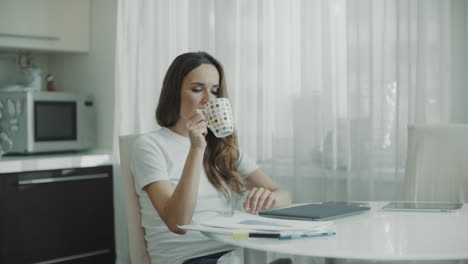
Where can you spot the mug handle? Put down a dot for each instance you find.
(208, 124)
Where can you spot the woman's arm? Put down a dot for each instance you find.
(176, 206)
(264, 193)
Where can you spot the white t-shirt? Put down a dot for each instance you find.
(161, 155)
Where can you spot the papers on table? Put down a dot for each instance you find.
(243, 222)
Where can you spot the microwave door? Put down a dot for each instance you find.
(55, 126)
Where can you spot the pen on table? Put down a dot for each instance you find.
(294, 236)
(239, 235)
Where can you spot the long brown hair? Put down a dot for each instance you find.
(221, 154)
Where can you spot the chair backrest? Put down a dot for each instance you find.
(136, 233)
(437, 163)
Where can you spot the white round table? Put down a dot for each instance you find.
(376, 235)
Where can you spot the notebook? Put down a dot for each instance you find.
(314, 212)
(422, 206)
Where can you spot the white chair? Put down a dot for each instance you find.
(136, 233)
(437, 163)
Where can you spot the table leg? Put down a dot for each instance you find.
(252, 256)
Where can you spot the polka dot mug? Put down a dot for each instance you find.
(219, 114)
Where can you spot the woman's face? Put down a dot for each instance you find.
(198, 87)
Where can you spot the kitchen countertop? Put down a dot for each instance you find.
(83, 159)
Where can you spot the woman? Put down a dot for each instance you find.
(182, 168)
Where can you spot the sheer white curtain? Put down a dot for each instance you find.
(322, 90)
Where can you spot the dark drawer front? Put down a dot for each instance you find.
(59, 215)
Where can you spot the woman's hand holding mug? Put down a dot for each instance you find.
(197, 129)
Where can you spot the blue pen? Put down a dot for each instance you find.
(294, 236)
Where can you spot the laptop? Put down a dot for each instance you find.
(314, 212)
(422, 206)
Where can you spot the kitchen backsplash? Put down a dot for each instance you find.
(12, 73)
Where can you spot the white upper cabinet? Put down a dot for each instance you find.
(47, 25)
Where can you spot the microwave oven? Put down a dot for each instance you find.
(38, 122)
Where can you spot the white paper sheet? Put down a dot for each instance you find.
(215, 222)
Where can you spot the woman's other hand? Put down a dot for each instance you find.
(259, 199)
(197, 129)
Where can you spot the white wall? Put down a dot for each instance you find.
(93, 73)
(11, 73)
(466, 60)
(459, 64)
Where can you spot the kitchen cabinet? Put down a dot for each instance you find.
(46, 25)
(57, 216)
